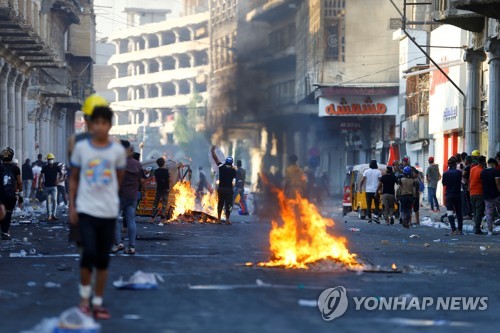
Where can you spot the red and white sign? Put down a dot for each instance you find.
(358, 106)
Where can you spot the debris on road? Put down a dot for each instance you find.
(52, 285)
(414, 236)
(308, 302)
(354, 229)
(482, 248)
(139, 281)
(72, 320)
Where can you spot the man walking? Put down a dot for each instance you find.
(386, 188)
(27, 177)
(48, 180)
(239, 188)
(476, 193)
(225, 189)
(132, 181)
(491, 192)
(452, 180)
(433, 177)
(12, 185)
(371, 177)
(162, 178)
(295, 179)
(98, 165)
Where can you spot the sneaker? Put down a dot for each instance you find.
(54, 218)
(130, 250)
(6, 236)
(101, 313)
(117, 248)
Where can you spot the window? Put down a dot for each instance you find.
(335, 29)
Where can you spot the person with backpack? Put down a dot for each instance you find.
(406, 194)
(162, 178)
(12, 192)
(452, 181)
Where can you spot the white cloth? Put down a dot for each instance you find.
(372, 179)
(37, 170)
(98, 187)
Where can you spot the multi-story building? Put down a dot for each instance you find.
(482, 56)
(318, 60)
(46, 56)
(160, 69)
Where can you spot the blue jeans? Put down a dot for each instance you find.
(128, 207)
(51, 194)
(243, 203)
(27, 188)
(431, 192)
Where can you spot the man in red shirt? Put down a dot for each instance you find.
(476, 193)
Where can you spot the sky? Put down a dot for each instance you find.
(110, 16)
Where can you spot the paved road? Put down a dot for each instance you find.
(193, 258)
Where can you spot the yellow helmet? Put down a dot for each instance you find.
(91, 102)
(50, 156)
(476, 153)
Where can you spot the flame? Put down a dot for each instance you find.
(185, 198)
(303, 239)
(209, 203)
(394, 267)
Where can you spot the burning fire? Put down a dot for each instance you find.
(209, 203)
(303, 239)
(394, 267)
(185, 198)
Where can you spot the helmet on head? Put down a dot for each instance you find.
(229, 160)
(475, 153)
(91, 102)
(407, 170)
(50, 156)
(7, 154)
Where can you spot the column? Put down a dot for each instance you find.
(160, 39)
(493, 49)
(160, 64)
(24, 118)
(176, 86)
(191, 86)
(160, 89)
(4, 75)
(177, 62)
(11, 109)
(473, 101)
(18, 115)
(146, 67)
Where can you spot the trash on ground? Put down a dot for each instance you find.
(482, 248)
(354, 229)
(414, 236)
(139, 280)
(52, 285)
(72, 320)
(31, 284)
(427, 244)
(131, 317)
(308, 302)
(25, 239)
(384, 241)
(5, 294)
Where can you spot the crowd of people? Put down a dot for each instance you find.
(471, 191)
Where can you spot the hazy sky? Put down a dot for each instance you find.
(110, 16)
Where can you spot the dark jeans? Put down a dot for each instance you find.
(454, 203)
(225, 200)
(128, 207)
(61, 191)
(432, 198)
(97, 238)
(477, 210)
(163, 197)
(466, 203)
(10, 204)
(370, 197)
(406, 202)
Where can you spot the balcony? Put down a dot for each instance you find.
(447, 12)
(27, 32)
(488, 8)
(273, 10)
(417, 128)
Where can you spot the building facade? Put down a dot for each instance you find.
(46, 56)
(160, 69)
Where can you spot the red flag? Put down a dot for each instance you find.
(393, 154)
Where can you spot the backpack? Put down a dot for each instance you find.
(9, 182)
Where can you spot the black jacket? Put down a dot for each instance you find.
(27, 172)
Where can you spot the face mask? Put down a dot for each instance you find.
(51, 162)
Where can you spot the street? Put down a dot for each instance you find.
(208, 288)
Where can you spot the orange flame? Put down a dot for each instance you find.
(394, 267)
(303, 239)
(184, 201)
(209, 203)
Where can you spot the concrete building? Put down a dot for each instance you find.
(159, 69)
(46, 55)
(482, 115)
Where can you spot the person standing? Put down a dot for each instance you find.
(2, 206)
(418, 190)
(162, 178)
(40, 161)
(27, 177)
(476, 193)
(239, 187)
(98, 165)
(48, 180)
(452, 180)
(225, 190)
(468, 163)
(61, 186)
(433, 177)
(202, 183)
(490, 178)
(405, 195)
(371, 177)
(12, 190)
(386, 188)
(295, 179)
(132, 181)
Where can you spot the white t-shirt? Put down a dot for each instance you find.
(372, 179)
(98, 187)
